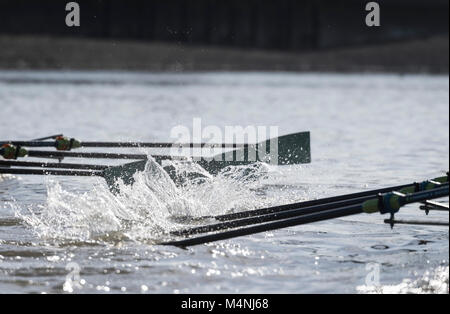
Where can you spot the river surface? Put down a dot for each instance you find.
(66, 234)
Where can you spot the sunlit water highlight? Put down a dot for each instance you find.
(368, 131)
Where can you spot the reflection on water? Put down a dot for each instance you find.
(71, 234)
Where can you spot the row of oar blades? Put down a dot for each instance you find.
(292, 149)
(227, 226)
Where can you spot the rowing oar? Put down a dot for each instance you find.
(79, 144)
(284, 150)
(110, 173)
(340, 200)
(415, 222)
(384, 203)
(62, 155)
(304, 208)
(292, 149)
(45, 172)
(65, 143)
(50, 137)
(38, 142)
(26, 164)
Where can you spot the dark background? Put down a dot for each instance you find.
(267, 24)
(292, 26)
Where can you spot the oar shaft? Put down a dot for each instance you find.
(43, 154)
(325, 215)
(51, 172)
(29, 143)
(130, 144)
(37, 142)
(278, 216)
(415, 222)
(425, 195)
(328, 200)
(342, 200)
(47, 154)
(47, 137)
(162, 145)
(436, 205)
(14, 163)
(299, 211)
(367, 206)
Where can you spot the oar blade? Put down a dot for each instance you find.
(291, 149)
(294, 149)
(123, 172)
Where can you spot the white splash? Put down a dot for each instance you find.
(145, 210)
(5, 177)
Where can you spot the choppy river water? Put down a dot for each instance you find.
(367, 131)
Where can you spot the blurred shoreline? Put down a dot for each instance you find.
(429, 55)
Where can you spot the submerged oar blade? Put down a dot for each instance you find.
(289, 149)
(123, 172)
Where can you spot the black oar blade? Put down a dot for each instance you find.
(124, 172)
(291, 149)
